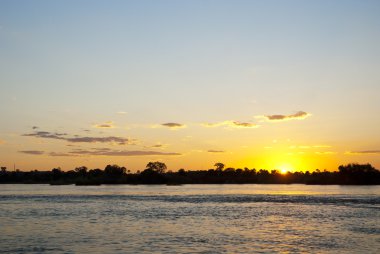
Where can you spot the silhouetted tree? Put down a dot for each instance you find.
(358, 174)
(157, 166)
(56, 173)
(95, 172)
(219, 166)
(114, 170)
(155, 174)
(356, 168)
(82, 171)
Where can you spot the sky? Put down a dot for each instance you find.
(291, 85)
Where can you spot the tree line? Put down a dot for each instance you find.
(156, 173)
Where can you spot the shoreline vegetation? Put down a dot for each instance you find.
(156, 173)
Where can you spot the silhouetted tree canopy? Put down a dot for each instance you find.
(114, 170)
(356, 168)
(155, 173)
(81, 170)
(219, 166)
(157, 166)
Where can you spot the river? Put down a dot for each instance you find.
(189, 219)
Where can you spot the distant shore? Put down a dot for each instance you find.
(155, 173)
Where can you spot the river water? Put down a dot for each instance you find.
(189, 219)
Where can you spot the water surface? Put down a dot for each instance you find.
(189, 219)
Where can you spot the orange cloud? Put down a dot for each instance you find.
(105, 125)
(298, 115)
(99, 152)
(174, 125)
(109, 152)
(32, 152)
(215, 151)
(364, 152)
(232, 124)
(79, 139)
(325, 153)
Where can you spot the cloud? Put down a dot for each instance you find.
(174, 125)
(364, 152)
(211, 125)
(216, 151)
(102, 149)
(54, 154)
(300, 147)
(35, 127)
(244, 125)
(232, 124)
(105, 125)
(158, 145)
(78, 139)
(119, 153)
(325, 153)
(32, 152)
(2, 142)
(100, 152)
(121, 112)
(298, 115)
(321, 146)
(45, 134)
(309, 147)
(111, 139)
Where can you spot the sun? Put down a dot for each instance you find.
(285, 168)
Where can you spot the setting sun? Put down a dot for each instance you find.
(285, 168)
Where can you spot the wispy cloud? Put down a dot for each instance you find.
(111, 139)
(159, 145)
(101, 152)
(232, 124)
(298, 115)
(120, 153)
(78, 139)
(215, 151)
(55, 154)
(364, 152)
(325, 153)
(106, 125)
(174, 125)
(45, 134)
(309, 146)
(121, 112)
(321, 146)
(32, 152)
(237, 124)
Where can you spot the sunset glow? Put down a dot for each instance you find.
(287, 86)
